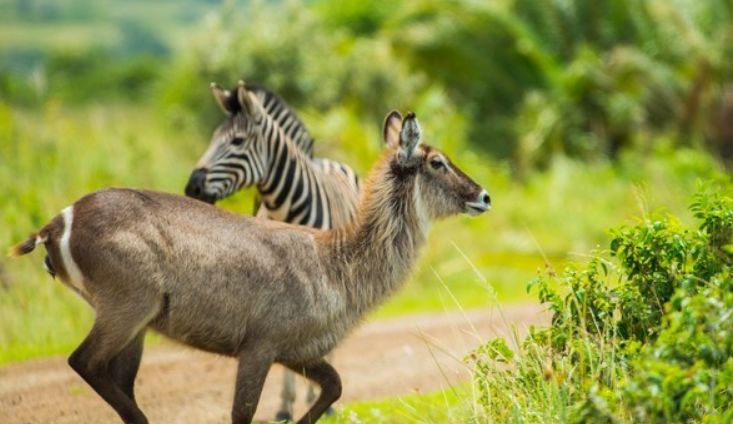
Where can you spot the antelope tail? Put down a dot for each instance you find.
(26, 246)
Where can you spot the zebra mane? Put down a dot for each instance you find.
(281, 113)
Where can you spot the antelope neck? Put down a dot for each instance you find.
(375, 254)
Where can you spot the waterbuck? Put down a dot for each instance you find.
(262, 291)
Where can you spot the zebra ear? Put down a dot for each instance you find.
(391, 131)
(245, 101)
(224, 98)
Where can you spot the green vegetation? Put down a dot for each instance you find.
(453, 405)
(87, 148)
(575, 115)
(642, 333)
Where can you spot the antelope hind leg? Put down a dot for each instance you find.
(109, 336)
(125, 365)
(327, 378)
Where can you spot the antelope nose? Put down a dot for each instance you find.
(480, 205)
(485, 198)
(195, 186)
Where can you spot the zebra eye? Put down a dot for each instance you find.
(237, 141)
(437, 163)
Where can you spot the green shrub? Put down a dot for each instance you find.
(641, 334)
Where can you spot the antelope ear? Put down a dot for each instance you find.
(245, 101)
(391, 131)
(409, 136)
(224, 98)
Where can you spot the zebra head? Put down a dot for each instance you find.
(234, 159)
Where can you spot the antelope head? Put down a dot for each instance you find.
(442, 188)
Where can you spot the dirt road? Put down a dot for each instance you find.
(180, 385)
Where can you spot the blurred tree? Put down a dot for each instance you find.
(139, 38)
(476, 52)
(96, 75)
(359, 18)
(290, 50)
(582, 78)
(533, 79)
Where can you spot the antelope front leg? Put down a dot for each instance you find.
(324, 375)
(251, 372)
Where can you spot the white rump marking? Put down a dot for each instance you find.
(71, 268)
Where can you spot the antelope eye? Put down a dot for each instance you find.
(237, 141)
(436, 163)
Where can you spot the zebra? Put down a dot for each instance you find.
(263, 143)
(279, 110)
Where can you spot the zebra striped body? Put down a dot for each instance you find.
(263, 143)
(320, 193)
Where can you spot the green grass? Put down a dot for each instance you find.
(449, 406)
(70, 154)
(632, 331)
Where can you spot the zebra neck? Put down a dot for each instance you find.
(292, 190)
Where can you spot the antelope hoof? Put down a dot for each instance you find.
(283, 417)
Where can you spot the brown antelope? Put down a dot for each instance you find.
(262, 291)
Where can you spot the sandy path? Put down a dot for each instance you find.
(180, 385)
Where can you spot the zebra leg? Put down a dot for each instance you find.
(287, 397)
(312, 393)
(313, 390)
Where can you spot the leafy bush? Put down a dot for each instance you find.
(642, 334)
